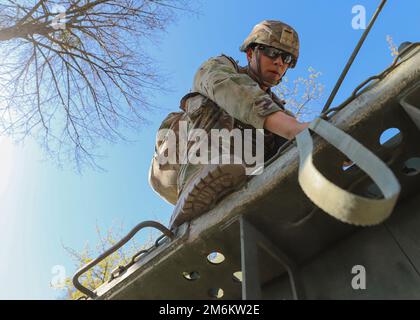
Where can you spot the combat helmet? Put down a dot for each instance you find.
(274, 34)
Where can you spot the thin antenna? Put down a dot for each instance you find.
(353, 56)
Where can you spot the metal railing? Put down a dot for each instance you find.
(89, 293)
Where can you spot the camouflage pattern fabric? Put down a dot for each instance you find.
(228, 98)
(275, 34)
(232, 89)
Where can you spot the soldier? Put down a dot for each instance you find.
(225, 95)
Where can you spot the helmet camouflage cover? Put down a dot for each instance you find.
(274, 34)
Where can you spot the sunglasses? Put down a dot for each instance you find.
(274, 53)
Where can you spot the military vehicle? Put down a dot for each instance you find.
(311, 226)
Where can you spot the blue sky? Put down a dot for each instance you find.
(42, 206)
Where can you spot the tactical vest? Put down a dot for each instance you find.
(272, 142)
(201, 113)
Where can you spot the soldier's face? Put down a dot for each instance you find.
(272, 70)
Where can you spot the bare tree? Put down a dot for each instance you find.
(302, 94)
(75, 72)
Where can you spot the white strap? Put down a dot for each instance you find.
(337, 202)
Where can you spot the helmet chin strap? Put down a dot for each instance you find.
(258, 75)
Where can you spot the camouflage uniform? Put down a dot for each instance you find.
(227, 96)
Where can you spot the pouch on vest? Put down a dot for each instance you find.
(163, 177)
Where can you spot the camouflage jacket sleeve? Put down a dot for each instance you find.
(237, 93)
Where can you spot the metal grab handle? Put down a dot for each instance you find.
(339, 203)
(114, 248)
(353, 56)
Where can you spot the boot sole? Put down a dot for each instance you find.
(210, 185)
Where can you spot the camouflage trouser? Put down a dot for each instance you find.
(204, 114)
